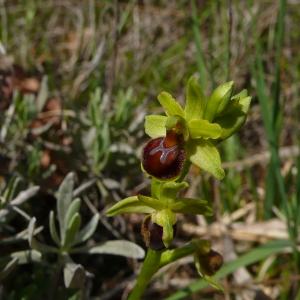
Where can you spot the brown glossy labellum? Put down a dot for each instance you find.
(152, 234)
(211, 262)
(164, 157)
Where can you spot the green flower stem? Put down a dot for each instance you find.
(149, 268)
(158, 259)
(170, 256)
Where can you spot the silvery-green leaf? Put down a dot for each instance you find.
(9, 267)
(206, 156)
(27, 256)
(74, 275)
(25, 195)
(170, 105)
(166, 219)
(64, 199)
(204, 129)
(42, 95)
(191, 206)
(34, 244)
(129, 205)
(11, 188)
(218, 100)
(72, 230)
(234, 117)
(155, 125)
(72, 210)
(119, 247)
(31, 227)
(43, 248)
(88, 230)
(152, 202)
(195, 100)
(53, 230)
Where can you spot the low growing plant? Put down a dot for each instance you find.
(182, 137)
(69, 239)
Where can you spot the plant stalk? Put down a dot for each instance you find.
(149, 268)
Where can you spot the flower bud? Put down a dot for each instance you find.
(211, 262)
(153, 233)
(163, 157)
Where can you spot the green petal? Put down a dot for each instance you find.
(191, 206)
(206, 156)
(129, 205)
(154, 203)
(170, 105)
(195, 100)
(204, 129)
(169, 190)
(155, 125)
(166, 219)
(218, 101)
(234, 116)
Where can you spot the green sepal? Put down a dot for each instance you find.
(152, 202)
(234, 117)
(206, 156)
(166, 219)
(195, 100)
(170, 105)
(191, 206)
(218, 100)
(155, 125)
(129, 205)
(169, 190)
(210, 280)
(204, 129)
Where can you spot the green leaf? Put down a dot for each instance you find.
(206, 156)
(191, 206)
(204, 129)
(119, 247)
(88, 230)
(72, 210)
(218, 101)
(155, 125)
(156, 204)
(129, 205)
(169, 190)
(53, 230)
(195, 100)
(166, 219)
(64, 199)
(234, 117)
(170, 105)
(72, 230)
(74, 275)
